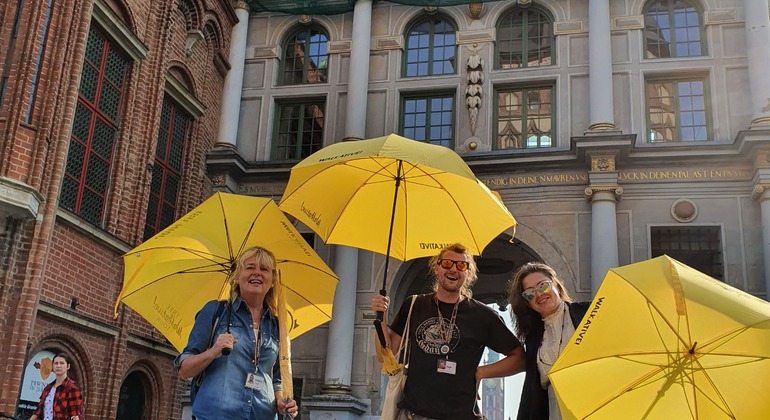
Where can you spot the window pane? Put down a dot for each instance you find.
(524, 39)
(430, 49)
(300, 129)
(429, 119)
(524, 113)
(167, 169)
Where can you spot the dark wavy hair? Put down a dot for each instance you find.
(473, 270)
(526, 319)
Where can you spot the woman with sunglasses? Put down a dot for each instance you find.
(545, 319)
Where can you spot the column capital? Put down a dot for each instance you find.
(240, 4)
(615, 190)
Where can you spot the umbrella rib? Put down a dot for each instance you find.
(213, 268)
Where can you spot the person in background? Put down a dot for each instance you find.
(61, 399)
(545, 319)
(246, 384)
(448, 332)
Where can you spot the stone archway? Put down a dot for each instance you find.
(496, 266)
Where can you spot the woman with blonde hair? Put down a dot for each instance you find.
(545, 317)
(246, 382)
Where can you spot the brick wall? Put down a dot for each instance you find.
(49, 259)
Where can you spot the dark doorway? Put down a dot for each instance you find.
(132, 398)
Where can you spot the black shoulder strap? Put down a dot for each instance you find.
(214, 322)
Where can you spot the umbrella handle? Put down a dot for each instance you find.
(226, 351)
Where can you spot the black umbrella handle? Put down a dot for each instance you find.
(226, 351)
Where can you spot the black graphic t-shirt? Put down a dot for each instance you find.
(441, 395)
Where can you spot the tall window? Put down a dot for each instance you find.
(36, 74)
(673, 29)
(299, 129)
(95, 129)
(430, 48)
(525, 118)
(524, 39)
(167, 172)
(677, 110)
(305, 57)
(429, 119)
(699, 247)
(11, 44)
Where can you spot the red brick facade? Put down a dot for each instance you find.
(59, 274)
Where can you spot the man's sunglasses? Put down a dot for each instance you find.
(446, 264)
(542, 287)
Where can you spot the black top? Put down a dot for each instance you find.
(534, 399)
(442, 395)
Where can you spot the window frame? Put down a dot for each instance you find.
(165, 168)
(525, 87)
(676, 79)
(441, 94)
(719, 230)
(303, 103)
(291, 36)
(431, 46)
(498, 65)
(673, 29)
(96, 114)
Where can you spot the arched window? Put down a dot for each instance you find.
(673, 28)
(430, 48)
(305, 57)
(524, 39)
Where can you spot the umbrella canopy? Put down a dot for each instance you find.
(169, 277)
(665, 341)
(394, 196)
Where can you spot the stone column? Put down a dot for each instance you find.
(604, 193)
(761, 193)
(758, 52)
(231, 96)
(336, 401)
(601, 108)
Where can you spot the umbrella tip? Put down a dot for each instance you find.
(692, 350)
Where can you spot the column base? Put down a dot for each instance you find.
(602, 128)
(335, 406)
(225, 145)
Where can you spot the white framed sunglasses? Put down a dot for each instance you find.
(542, 287)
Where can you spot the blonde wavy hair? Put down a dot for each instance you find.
(265, 258)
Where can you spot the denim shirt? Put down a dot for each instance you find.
(223, 394)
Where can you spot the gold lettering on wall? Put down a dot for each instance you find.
(261, 188)
(623, 176)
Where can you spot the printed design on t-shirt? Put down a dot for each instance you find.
(430, 338)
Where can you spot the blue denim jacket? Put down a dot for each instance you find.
(223, 394)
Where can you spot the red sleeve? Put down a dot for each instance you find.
(74, 401)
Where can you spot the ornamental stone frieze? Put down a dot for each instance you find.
(602, 163)
(474, 91)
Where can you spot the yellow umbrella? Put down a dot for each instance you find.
(169, 277)
(394, 196)
(665, 341)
